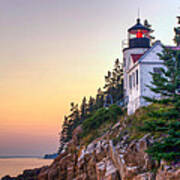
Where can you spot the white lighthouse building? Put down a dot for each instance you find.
(139, 59)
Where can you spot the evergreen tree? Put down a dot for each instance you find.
(114, 82)
(64, 134)
(83, 109)
(146, 24)
(113, 86)
(69, 124)
(167, 149)
(75, 117)
(177, 33)
(166, 83)
(99, 99)
(91, 105)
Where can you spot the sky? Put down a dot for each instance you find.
(53, 52)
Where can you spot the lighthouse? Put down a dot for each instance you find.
(139, 36)
(139, 59)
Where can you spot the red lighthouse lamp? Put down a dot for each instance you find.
(139, 34)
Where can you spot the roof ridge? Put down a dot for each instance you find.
(149, 50)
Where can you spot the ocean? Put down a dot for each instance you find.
(15, 166)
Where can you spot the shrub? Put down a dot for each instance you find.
(167, 149)
(101, 116)
(163, 122)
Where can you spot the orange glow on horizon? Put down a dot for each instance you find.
(56, 52)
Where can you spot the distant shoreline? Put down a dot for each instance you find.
(13, 166)
(14, 157)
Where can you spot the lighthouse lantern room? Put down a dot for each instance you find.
(139, 36)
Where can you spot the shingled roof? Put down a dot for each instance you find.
(138, 26)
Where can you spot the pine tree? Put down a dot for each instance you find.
(99, 99)
(75, 116)
(83, 109)
(114, 82)
(177, 33)
(113, 86)
(166, 82)
(63, 134)
(91, 105)
(69, 124)
(146, 24)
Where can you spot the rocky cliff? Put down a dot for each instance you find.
(114, 155)
(103, 159)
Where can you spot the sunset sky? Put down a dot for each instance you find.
(53, 52)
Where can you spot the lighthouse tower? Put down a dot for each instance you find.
(139, 59)
(139, 36)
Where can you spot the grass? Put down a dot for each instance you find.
(153, 119)
(99, 122)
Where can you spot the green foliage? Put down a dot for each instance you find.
(167, 81)
(167, 149)
(177, 34)
(162, 113)
(146, 24)
(114, 82)
(154, 126)
(99, 99)
(167, 131)
(175, 125)
(83, 109)
(165, 120)
(113, 86)
(101, 116)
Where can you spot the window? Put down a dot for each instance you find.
(129, 62)
(133, 76)
(157, 70)
(137, 77)
(124, 62)
(130, 82)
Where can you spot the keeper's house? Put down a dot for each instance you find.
(139, 59)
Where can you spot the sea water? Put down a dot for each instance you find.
(15, 166)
